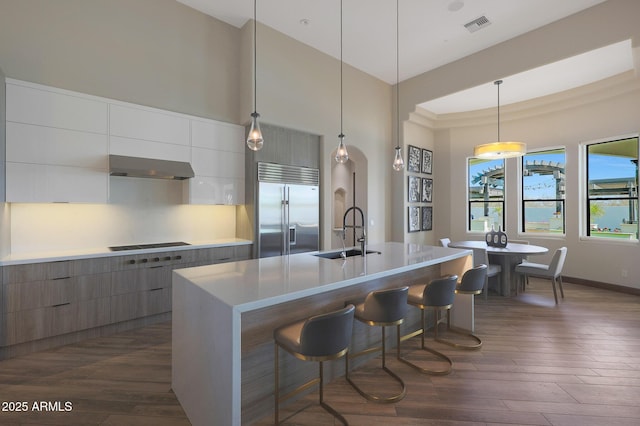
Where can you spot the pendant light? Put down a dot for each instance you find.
(398, 162)
(342, 156)
(255, 139)
(496, 150)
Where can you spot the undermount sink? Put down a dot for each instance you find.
(349, 253)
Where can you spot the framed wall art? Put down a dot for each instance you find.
(414, 218)
(414, 189)
(427, 218)
(413, 159)
(427, 190)
(427, 161)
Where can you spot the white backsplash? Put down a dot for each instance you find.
(140, 211)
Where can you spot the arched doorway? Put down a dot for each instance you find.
(348, 188)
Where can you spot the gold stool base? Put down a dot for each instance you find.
(370, 396)
(439, 355)
(319, 380)
(473, 346)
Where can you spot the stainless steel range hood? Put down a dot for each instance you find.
(120, 165)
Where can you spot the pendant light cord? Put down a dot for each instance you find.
(255, 60)
(498, 83)
(397, 74)
(341, 65)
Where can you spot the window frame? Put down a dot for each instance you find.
(522, 201)
(470, 202)
(585, 199)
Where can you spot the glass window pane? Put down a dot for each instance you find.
(613, 218)
(544, 216)
(543, 175)
(543, 191)
(612, 189)
(486, 215)
(486, 194)
(486, 179)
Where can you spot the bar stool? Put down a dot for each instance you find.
(381, 308)
(472, 283)
(319, 338)
(438, 295)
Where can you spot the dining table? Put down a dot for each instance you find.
(507, 257)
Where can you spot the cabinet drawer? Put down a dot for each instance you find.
(38, 294)
(136, 305)
(36, 272)
(34, 324)
(142, 279)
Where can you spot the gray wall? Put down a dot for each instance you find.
(158, 53)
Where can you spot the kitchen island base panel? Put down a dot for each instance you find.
(213, 386)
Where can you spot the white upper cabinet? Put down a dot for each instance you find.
(56, 146)
(149, 125)
(218, 136)
(42, 107)
(217, 158)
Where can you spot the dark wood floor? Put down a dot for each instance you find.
(577, 363)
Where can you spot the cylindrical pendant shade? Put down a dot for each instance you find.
(495, 150)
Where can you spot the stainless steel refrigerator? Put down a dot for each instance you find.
(288, 209)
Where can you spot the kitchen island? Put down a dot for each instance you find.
(224, 316)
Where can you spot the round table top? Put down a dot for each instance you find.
(511, 248)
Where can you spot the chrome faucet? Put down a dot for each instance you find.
(363, 236)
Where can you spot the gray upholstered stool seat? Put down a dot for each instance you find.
(319, 338)
(437, 295)
(472, 283)
(381, 308)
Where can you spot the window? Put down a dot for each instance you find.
(486, 194)
(612, 189)
(543, 188)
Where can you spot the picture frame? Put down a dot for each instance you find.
(413, 218)
(413, 189)
(426, 163)
(414, 158)
(427, 190)
(426, 222)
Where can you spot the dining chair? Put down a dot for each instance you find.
(553, 270)
(480, 257)
(525, 282)
(444, 242)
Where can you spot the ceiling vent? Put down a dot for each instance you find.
(477, 24)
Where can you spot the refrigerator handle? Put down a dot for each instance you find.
(287, 224)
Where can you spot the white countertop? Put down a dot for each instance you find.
(54, 256)
(253, 284)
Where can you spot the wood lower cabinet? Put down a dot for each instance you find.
(44, 300)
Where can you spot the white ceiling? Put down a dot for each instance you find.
(431, 34)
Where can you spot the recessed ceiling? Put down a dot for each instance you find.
(432, 33)
(556, 77)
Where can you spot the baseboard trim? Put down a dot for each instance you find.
(604, 286)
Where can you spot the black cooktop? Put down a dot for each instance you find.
(148, 246)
